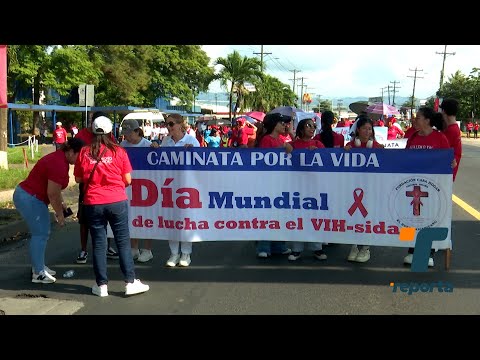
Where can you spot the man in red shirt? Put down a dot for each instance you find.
(449, 108)
(59, 135)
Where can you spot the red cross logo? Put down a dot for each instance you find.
(417, 194)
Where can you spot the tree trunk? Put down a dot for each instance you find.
(3, 139)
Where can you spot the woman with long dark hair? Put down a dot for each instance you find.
(105, 170)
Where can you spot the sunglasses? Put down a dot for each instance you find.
(314, 126)
(171, 123)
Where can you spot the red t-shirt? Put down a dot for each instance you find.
(285, 138)
(454, 137)
(302, 144)
(270, 142)
(54, 167)
(409, 132)
(60, 135)
(87, 136)
(338, 139)
(375, 145)
(392, 132)
(107, 184)
(435, 140)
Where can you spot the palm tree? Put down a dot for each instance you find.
(236, 71)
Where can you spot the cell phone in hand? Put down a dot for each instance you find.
(67, 212)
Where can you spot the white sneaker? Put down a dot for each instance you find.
(430, 262)
(408, 259)
(185, 260)
(262, 254)
(47, 269)
(145, 255)
(136, 287)
(101, 290)
(363, 256)
(353, 253)
(43, 278)
(173, 260)
(135, 254)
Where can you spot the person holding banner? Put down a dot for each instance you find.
(449, 108)
(427, 138)
(303, 140)
(177, 136)
(134, 137)
(274, 125)
(105, 170)
(364, 137)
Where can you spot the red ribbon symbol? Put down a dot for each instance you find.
(358, 203)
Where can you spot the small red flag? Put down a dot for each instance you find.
(436, 104)
(3, 76)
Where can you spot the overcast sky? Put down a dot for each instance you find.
(336, 71)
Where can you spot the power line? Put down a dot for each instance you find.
(394, 90)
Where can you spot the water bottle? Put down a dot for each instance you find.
(68, 274)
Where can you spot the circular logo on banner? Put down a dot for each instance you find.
(417, 202)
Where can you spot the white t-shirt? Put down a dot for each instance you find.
(142, 143)
(186, 140)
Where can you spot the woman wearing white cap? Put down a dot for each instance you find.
(105, 170)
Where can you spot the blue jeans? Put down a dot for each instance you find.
(115, 214)
(299, 246)
(271, 247)
(36, 215)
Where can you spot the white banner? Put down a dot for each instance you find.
(364, 196)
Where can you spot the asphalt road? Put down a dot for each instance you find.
(227, 279)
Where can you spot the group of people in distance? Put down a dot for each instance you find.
(103, 199)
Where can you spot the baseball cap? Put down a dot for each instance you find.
(129, 126)
(58, 123)
(102, 125)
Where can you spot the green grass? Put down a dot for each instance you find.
(12, 177)
(15, 155)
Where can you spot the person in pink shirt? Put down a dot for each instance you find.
(364, 137)
(475, 130)
(105, 170)
(469, 128)
(304, 140)
(394, 131)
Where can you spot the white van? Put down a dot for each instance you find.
(152, 116)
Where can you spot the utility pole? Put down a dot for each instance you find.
(261, 53)
(394, 90)
(339, 107)
(294, 78)
(444, 53)
(383, 88)
(301, 92)
(388, 89)
(216, 103)
(413, 92)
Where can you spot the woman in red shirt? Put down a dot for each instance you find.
(364, 137)
(303, 140)
(328, 137)
(105, 170)
(427, 138)
(31, 197)
(274, 125)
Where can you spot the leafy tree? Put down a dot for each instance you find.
(235, 72)
(270, 93)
